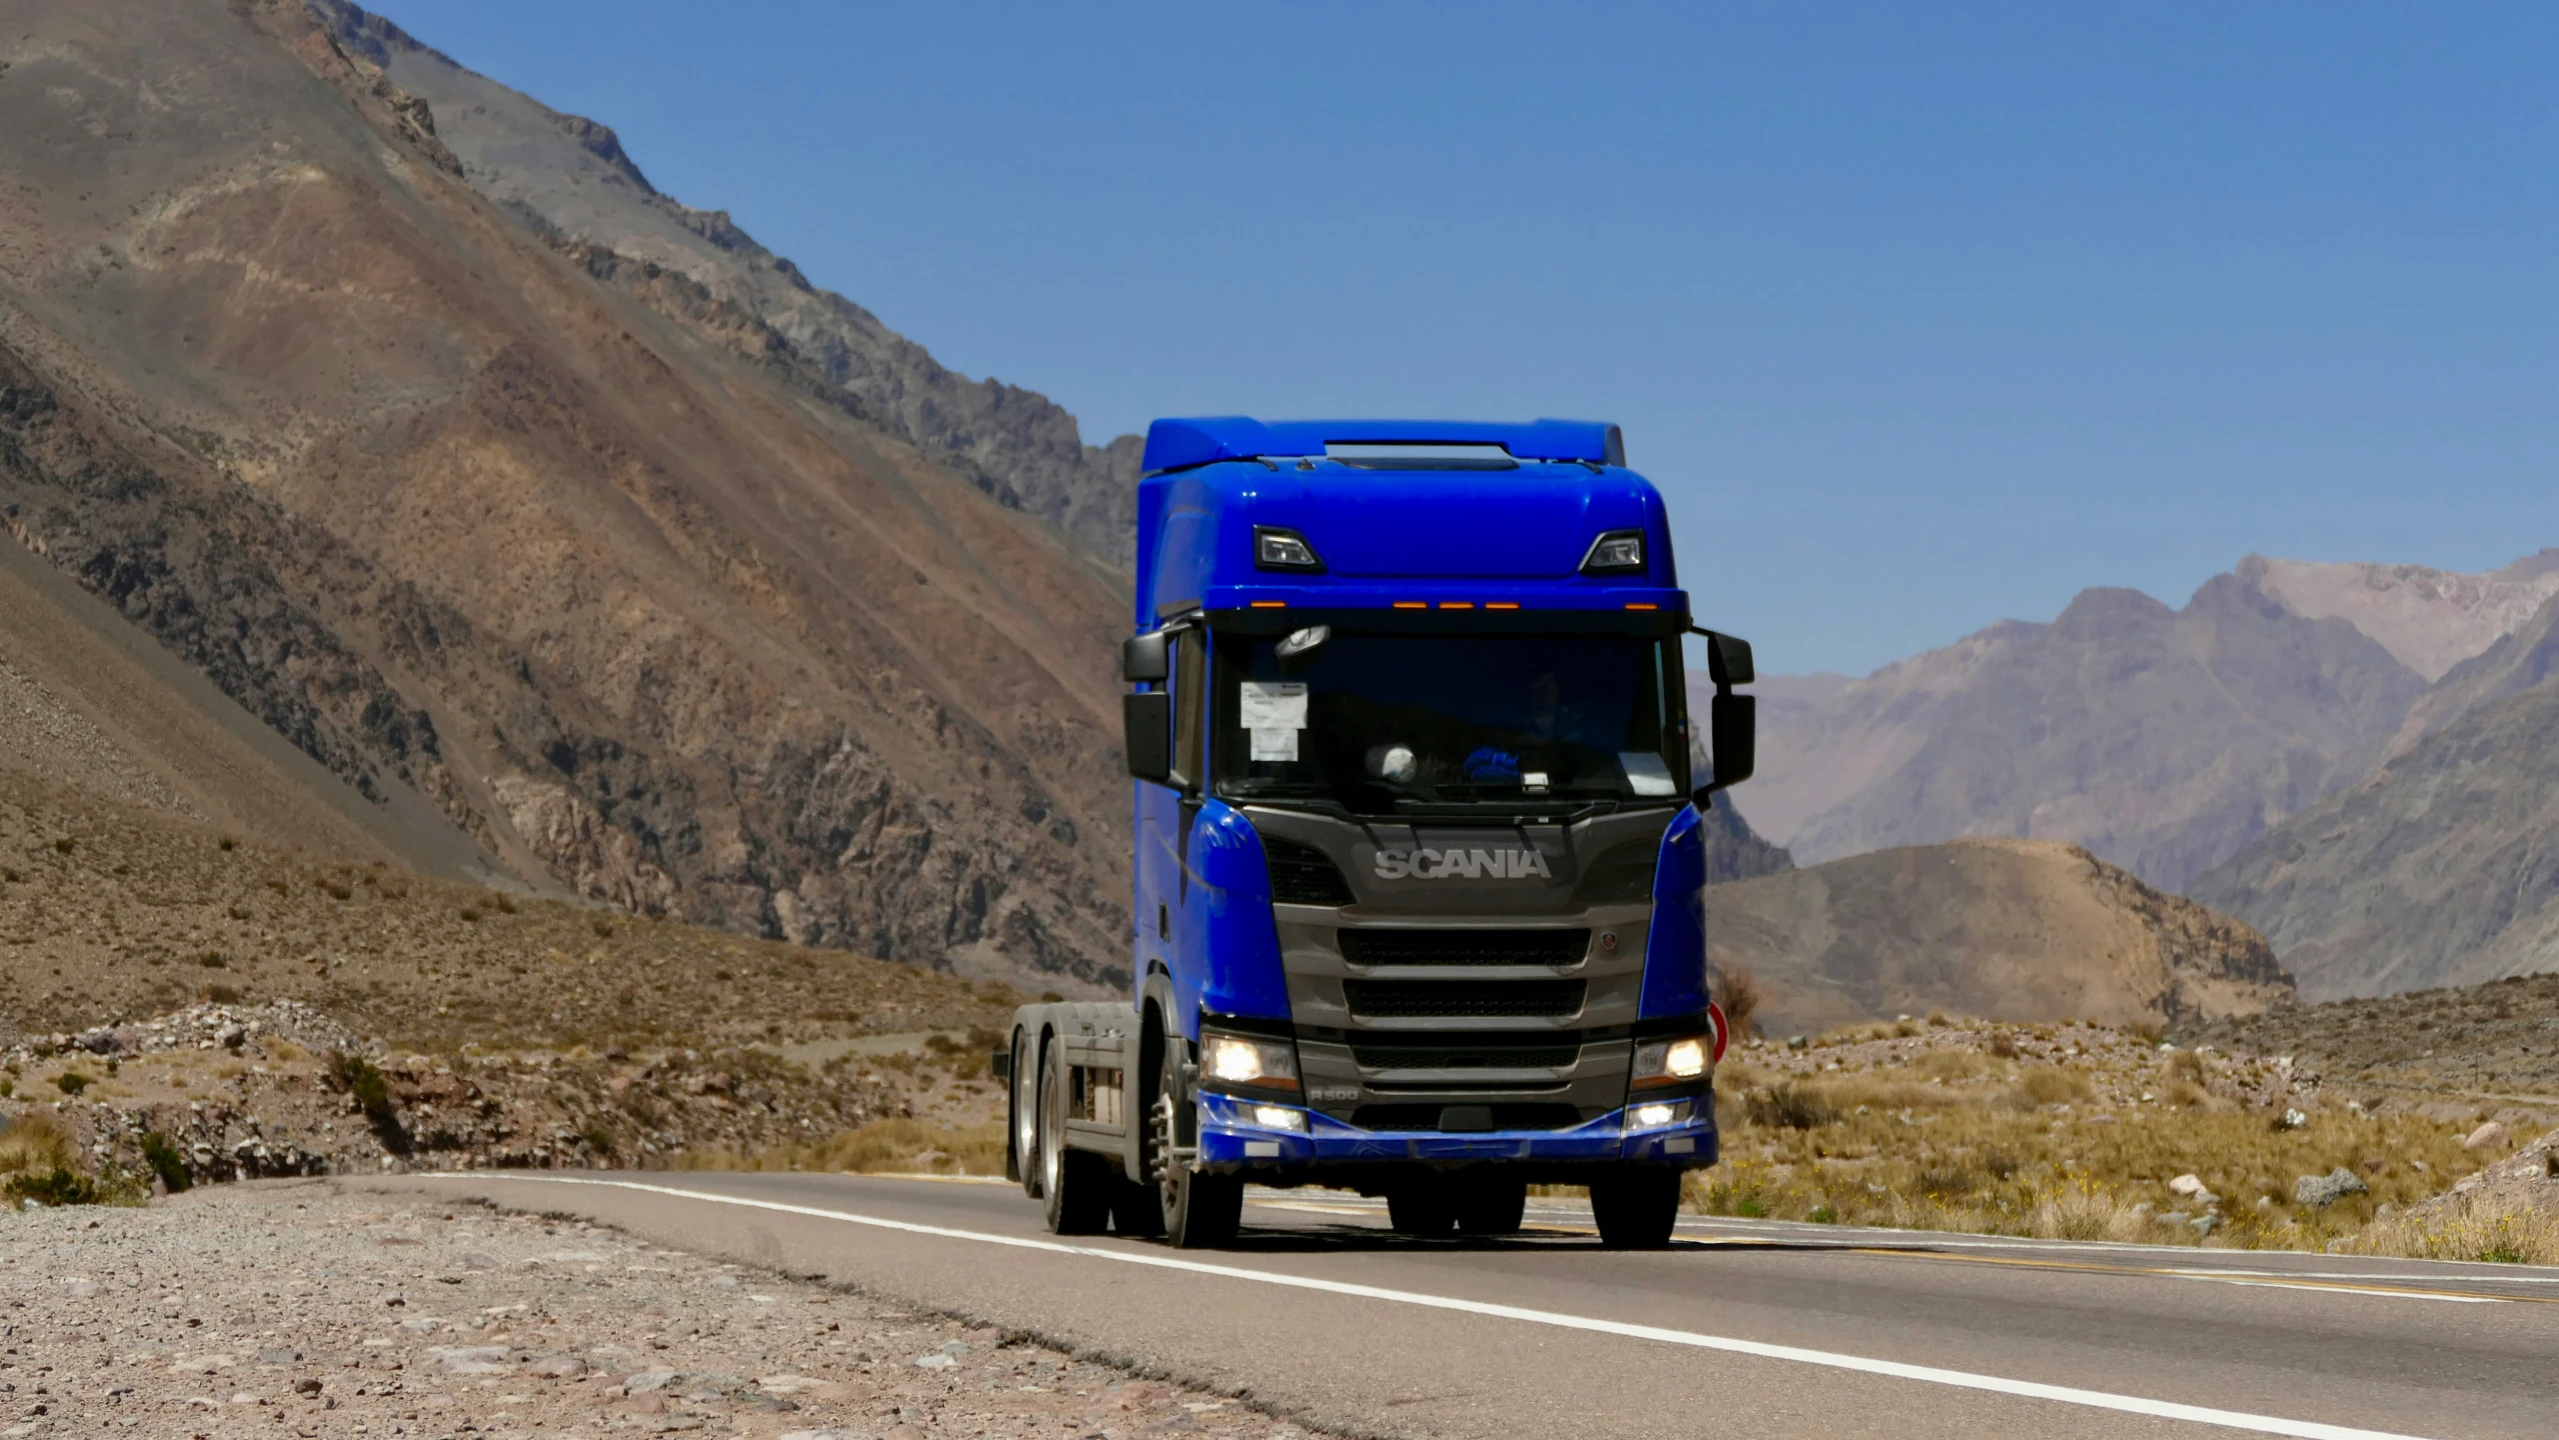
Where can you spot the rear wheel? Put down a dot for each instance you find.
(1075, 1183)
(1492, 1207)
(1026, 1112)
(1635, 1208)
(1200, 1211)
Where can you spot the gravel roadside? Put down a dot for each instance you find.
(289, 1308)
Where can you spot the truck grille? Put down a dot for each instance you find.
(1469, 1052)
(1304, 875)
(1429, 1115)
(1465, 947)
(1441, 999)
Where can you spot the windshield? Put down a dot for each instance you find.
(1382, 723)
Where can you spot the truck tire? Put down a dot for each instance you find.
(1025, 1112)
(1423, 1209)
(1635, 1207)
(1075, 1183)
(1137, 1211)
(1491, 1207)
(1201, 1211)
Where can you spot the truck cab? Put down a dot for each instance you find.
(1418, 872)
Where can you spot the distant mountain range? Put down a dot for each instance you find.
(2191, 745)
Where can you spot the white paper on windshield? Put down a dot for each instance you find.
(1645, 773)
(1274, 742)
(1273, 705)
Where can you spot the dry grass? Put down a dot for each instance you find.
(2074, 1133)
(2466, 1228)
(35, 1142)
(907, 1146)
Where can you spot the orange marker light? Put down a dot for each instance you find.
(1457, 604)
(1639, 605)
(1501, 604)
(1270, 604)
(1411, 605)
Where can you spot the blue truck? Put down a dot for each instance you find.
(1419, 880)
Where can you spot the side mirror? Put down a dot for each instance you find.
(1147, 723)
(1732, 730)
(1727, 659)
(1147, 658)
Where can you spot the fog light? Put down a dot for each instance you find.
(1647, 1117)
(1279, 1117)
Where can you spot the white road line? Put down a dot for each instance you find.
(1960, 1379)
(2356, 1290)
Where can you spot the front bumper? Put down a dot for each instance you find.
(1230, 1140)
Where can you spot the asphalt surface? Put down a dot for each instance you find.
(1741, 1328)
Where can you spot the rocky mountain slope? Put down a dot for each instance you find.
(2018, 930)
(569, 179)
(2430, 619)
(2161, 739)
(553, 541)
(2438, 871)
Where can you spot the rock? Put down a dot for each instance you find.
(479, 1260)
(2186, 1185)
(647, 1381)
(83, 1289)
(819, 1435)
(2292, 1120)
(1796, 1042)
(2321, 1191)
(557, 1367)
(2489, 1133)
(474, 1360)
(306, 1386)
(934, 1362)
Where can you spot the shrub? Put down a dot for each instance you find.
(71, 1082)
(57, 1186)
(364, 1082)
(2003, 1045)
(1788, 1107)
(165, 1162)
(2050, 1085)
(65, 845)
(1738, 992)
(213, 960)
(222, 994)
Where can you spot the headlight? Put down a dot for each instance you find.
(1671, 1062)
(1279, 1117)
(1615, 552)
(1655, 1114)
(1242, 1060)
(1277, 549)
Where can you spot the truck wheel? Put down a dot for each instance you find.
(1492, 1207)
(1635, 1208)
(1137, 1211)
(1201, 1211)
(1026, 1112)
(1075, 1183)
(1424, 1209)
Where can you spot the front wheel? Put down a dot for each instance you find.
(1492, 1207)
(1201, 1211)
(1636, 1207)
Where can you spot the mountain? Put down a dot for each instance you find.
(2437, 871)
(2163, 740)
(2430, 619)
(569, 178)
(571, 550)
(2518, 661)
(2005, 929)
(1734, 851)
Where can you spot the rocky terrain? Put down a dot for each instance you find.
(569, 550)
(2490, 1041)
(2077, 1131)
(297, 1308)
(2024, 930)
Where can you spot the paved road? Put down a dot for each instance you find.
(1741, 1329)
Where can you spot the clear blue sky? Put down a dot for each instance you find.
(1922, 316)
